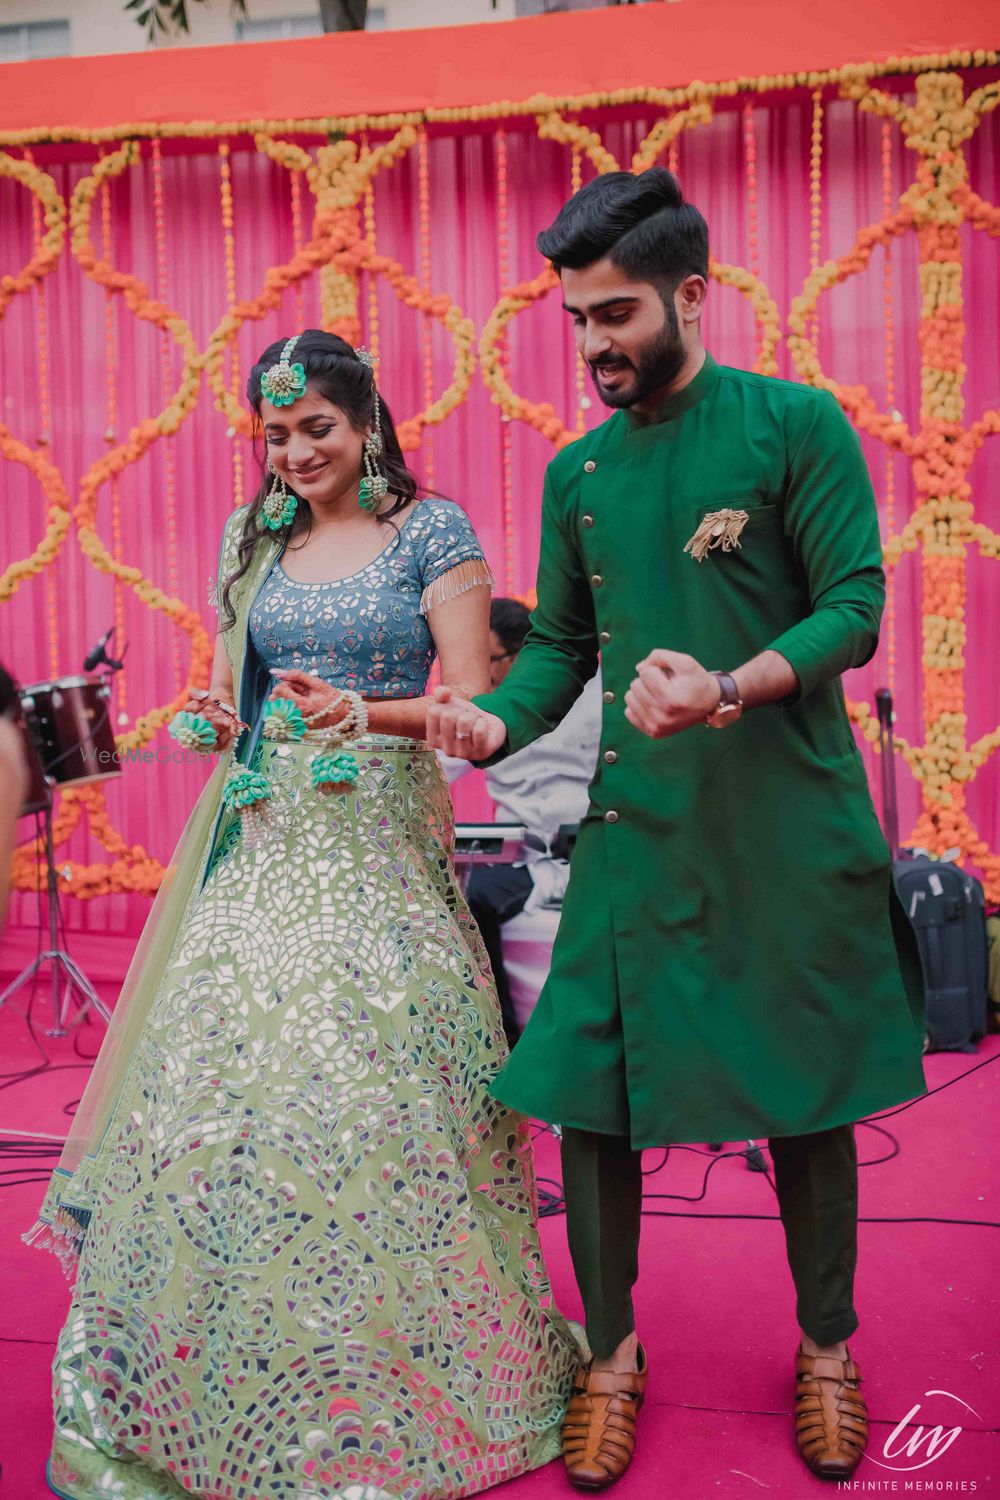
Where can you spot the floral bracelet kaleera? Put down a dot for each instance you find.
(332, 766)
(196, 732)
(193, 732)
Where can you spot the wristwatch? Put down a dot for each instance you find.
(730, 703)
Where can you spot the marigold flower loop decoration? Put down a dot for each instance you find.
(336, 176)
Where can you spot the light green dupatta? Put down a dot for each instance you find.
(69, 1201)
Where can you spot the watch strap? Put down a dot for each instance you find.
(730, 704)
(729, 693)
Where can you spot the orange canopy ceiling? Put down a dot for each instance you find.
(561, 55)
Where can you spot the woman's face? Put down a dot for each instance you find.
(313, 446)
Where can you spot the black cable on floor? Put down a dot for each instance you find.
(551, 1202)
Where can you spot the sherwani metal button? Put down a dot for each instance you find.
(611, 817)
(609, 696)
(597, 581)
(605, 637)
(589, 466)
(588, 520)
(611, 756)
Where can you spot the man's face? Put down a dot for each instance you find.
(630, 339)
(501, 659)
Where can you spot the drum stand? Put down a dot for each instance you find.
(60, 961)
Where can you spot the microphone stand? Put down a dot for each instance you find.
(77, 983)
(62, 965)
(890, 810)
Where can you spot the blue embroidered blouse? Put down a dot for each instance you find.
(368, 633)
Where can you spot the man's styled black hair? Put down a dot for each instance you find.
(510, 620)
(641, 222)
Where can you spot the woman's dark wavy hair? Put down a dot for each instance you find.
(335, 371)
(641, 223)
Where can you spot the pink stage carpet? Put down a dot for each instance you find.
(715, 1305)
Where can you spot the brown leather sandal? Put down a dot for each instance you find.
(831, 1419)
(598, 1435)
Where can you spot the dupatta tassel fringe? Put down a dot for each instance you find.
(62, 1237)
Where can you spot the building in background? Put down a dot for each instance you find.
(85, 28)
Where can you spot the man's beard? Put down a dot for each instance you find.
(659, 362)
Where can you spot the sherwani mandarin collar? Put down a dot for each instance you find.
(681, 401)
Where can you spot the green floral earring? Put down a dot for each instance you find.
(374, 486)
(280, 504)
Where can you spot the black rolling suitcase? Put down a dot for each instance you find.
(947, 908)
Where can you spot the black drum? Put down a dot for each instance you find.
(69, 722)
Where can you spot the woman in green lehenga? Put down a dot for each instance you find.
(304, 1236)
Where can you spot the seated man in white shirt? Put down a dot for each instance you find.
(542, 788)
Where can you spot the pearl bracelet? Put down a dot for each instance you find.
(351, 727)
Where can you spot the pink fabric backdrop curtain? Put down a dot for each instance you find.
(149, 802)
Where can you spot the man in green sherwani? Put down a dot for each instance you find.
(732, 961)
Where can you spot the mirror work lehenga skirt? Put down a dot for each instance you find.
(312, 1267)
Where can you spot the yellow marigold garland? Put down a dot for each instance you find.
(49, 248)
(857, 75)
(941, 451)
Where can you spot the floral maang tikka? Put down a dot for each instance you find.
(281, 384)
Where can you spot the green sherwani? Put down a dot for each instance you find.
(732, 961)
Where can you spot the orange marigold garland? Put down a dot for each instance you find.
(340, 249)
(506, 466)
(890, 397)
(753, 232)
(141, 437)
(111, 385)
(296, 192)
(372, 336)
(427, 330)
(166, 381)
(338, 178)
(44, 417)
(816, 193)
(229, 242)
(941, 450)
(583, 400)
(45, 255)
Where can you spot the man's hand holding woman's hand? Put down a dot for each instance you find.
(458, 727)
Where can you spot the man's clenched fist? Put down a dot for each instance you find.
(458, 727)
(672, 692)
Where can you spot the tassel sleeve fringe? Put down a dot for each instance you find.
(63, 1238)
(472, 574)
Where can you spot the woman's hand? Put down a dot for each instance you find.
(227, 726)
(458, 727)
(311, 694)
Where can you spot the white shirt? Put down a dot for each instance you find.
(546, 785)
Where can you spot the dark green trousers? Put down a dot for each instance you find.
(817, 1181)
